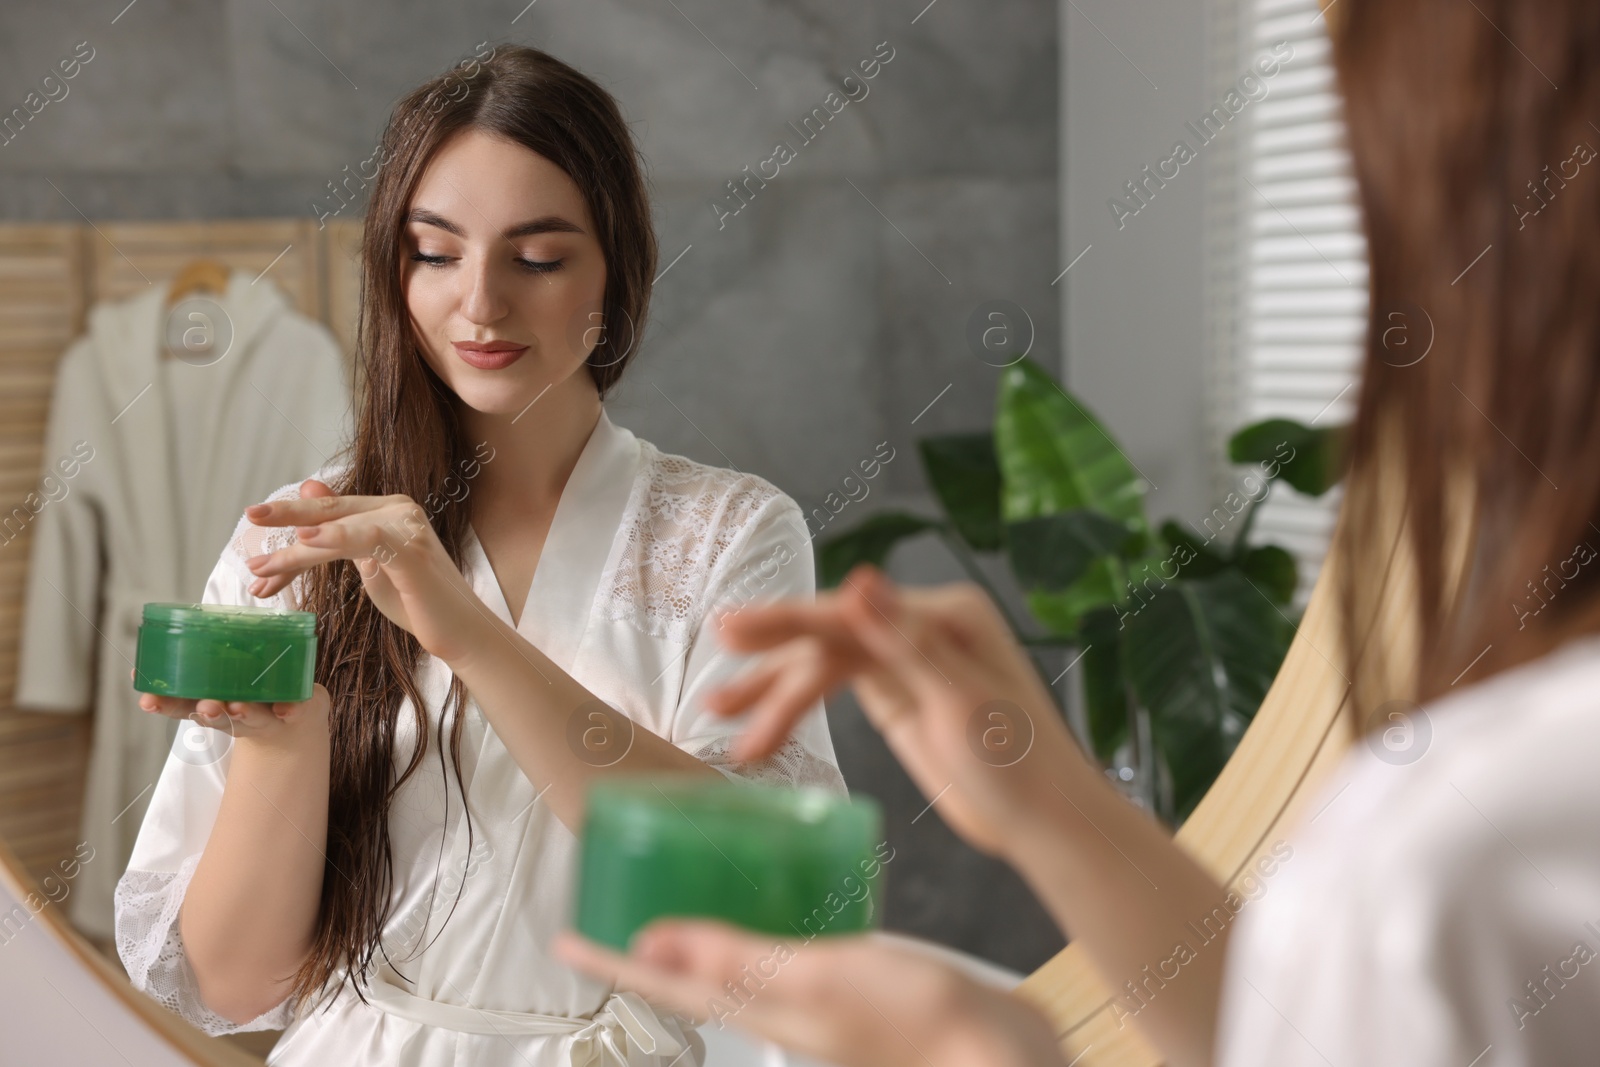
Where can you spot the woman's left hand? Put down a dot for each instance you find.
(403, 565)
(850, 1000)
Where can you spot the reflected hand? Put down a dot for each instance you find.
(244, 718)
(404, 567)
(849, 1000)
(937, 672)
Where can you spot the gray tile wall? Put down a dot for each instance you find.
(821, 320)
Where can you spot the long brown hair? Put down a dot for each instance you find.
(1469, 128)
(408, 440)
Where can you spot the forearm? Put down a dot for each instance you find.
(533, 706)
(250, 910)
(1145, 911)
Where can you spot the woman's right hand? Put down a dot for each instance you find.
(851, 1000)
(244, 719)
(937, 672)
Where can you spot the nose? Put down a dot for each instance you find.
(483, 300)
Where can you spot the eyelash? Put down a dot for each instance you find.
(532, 266)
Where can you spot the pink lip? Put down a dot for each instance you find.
(489, 355)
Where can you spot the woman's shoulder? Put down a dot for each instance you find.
(667, 474)
(688, 527)
(1496, 774)
(1520, 747)
(700, 494)
(1455, 855)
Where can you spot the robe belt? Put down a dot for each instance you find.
(624, 1032)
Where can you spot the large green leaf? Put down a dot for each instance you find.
(1309, 458)
(1105, 691)
(1196, 559)
(1200, 656)
(966, 476)
(1054, 456)
(869, 542)
(1060, 612)
(1273, 570)
(1052, 552)
(1270, 567)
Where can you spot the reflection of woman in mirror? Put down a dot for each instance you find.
(528, 606)
(1438, 902)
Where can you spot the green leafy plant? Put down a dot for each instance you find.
(1179, 631)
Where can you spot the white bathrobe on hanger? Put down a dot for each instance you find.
(643, 551)
(141, 519)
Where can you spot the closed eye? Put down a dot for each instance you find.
(536, 266)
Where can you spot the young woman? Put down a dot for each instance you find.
(515, 598)
(1438, 907)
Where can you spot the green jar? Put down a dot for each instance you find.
(223, 652)
(793, 862)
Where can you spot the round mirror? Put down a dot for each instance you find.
(885, 238)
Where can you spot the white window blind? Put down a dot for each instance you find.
(1300, 263)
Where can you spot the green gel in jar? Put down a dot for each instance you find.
(793, 862)
(223, 652)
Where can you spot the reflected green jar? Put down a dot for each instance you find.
(792, 862)
(223, 652)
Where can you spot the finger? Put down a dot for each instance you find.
(265, 588)
(380, 535)
(314, 509)
(292, 559)
(211, 713)
(964, 624)
(702, 947)
(897, 636)
(798, 1006)
(587, 956)
(793, 693)
(968, 614)
(687, 995)
(764, 626)
(734, 696)
(275, 571)
(248, 713)
(174, 707)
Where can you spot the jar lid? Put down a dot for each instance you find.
(786, 817)
(230, 618)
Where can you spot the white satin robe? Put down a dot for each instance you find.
(642, 546)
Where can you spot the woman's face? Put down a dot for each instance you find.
(500, 251)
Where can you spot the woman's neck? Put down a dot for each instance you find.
(535, 450)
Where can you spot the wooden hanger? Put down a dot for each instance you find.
(209, 275)
(198, 275)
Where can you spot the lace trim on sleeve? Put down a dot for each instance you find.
(682, 520)
(151, 948)
(792, 765)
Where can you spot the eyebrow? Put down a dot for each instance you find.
(542, 224)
